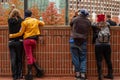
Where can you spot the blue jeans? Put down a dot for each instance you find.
(78, 54)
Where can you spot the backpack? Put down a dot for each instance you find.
(104, 35)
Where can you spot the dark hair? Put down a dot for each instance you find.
(108, 16)
(28, 13)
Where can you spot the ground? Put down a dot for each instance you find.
(58, 78)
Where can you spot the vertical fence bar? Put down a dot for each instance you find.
(66, 13)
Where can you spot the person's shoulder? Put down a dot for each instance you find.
(94, 24)
(107, 23)
(34, 18)
(20, 19)
(75, 18)
(108, 20)
(12, 20)
(24, 21)
(111, 22)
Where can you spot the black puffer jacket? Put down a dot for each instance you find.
(14, 27)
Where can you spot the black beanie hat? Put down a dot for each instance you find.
(28, 13)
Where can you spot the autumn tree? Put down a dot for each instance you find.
(2, 19)
(62, 17)
(19, 5)
(35, 12)
(51, 16)
(4, 13)
(71, 14)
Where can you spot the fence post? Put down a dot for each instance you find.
(66, 13)
(25, 5)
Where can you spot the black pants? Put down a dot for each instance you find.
(16, 52)
(103, 51)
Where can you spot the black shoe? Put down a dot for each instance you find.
(109, 76)
(99, 78)
(29, 73)
(83, 78)
(19, 77)
(29, 77)
(40, 73)
(14, 79)
(77, 77)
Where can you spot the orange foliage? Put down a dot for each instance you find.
(4, 13)
(3, 16)
(35, 12)
(19, 5)
(71, 14)
(51, 16)
(62, 17)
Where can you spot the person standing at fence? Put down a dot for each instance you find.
(110, 21)
(13, 6)
(15, 44)
(30, 31)
(78, 42)
(101, 39)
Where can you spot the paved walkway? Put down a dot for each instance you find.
(58, 78)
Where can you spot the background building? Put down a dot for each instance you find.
(41, 4)
(111, 7)
(98, 6)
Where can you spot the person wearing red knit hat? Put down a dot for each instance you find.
(101, 39)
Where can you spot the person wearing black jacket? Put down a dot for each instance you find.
(15, 44)
(112, 23)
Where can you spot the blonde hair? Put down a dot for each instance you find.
(15, 13)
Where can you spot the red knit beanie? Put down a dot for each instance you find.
(100, 18)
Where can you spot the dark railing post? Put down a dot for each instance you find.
(66, 13)
(25, 4)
